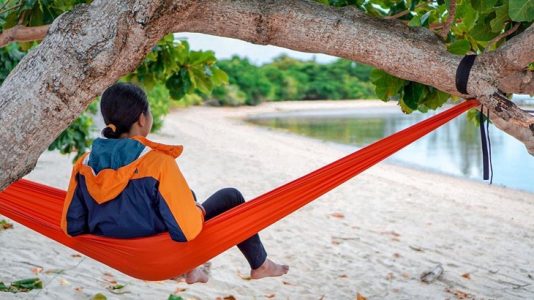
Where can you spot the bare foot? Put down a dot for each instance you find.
(269, 269)
(197, 275)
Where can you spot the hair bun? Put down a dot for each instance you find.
(110, 134)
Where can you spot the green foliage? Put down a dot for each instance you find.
(182, 70)
(521, 10)
(242, 73)
(10, 57)
(160, 100)
(475, 26)
(292, 79)
(229, 95)
(24, 285)
(174, 72)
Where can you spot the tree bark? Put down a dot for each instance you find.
(92, 46)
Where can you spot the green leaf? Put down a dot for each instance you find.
(425, 18)
(413, 94)
(521, 10)
(501, 16)
(436, 99)
(481, 31)
(415, 21)
(468, 15)
(175, 297)
(31, 283)
(404, 107)
(219, 76)
(483, 5)
(386, 86)
(23, 285)
(459, 47)
(175, 86)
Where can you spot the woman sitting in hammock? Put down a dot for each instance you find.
(128, 186)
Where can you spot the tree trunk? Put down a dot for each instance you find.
(92, 46)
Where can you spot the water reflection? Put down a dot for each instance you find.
(452, 149)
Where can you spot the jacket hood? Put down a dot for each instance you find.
(112, 163)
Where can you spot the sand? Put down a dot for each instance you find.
(374, 235)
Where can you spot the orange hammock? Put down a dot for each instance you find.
(158, 257)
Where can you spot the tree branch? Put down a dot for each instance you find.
(403, 13)
(518, 52)
(450, 19)
(520, 83)
(503, 35)
(21, 33)
(514, 121)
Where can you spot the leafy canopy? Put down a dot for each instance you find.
(476, 27)
(173, 71)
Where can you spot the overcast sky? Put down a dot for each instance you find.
(257, 54)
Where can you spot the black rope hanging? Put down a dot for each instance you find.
(462, 77)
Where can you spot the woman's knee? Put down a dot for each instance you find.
(232, 195)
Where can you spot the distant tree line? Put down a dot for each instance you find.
(287, 78)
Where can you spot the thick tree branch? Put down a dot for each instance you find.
(21, 33)
(519, 83)
(506, 116)
(89, 48)
(518, 52)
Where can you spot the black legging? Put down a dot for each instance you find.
(228, 198)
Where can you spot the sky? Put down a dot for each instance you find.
(257, 54)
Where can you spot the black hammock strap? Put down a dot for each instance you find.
(462, 77)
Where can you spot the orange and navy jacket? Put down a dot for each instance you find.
(126, 188)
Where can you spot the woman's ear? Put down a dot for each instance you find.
(142, 120)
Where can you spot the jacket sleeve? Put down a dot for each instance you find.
(183, 218)
(74, 215)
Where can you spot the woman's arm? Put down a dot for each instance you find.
(183, 218)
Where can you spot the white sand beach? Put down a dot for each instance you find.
(374, 235)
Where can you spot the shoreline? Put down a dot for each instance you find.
(323, 108)
(379, 107)
(374, 235)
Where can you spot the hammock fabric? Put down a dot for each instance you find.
(158, 257)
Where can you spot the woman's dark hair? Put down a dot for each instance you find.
(121, 105)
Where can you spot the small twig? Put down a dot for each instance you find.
(502, 35)
(21, 17)
(447, 26)
(21, 33)
(404, 12)
(397, 15)
(435, 26)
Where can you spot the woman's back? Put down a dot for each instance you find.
(130, 187)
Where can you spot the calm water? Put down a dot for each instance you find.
(452, 149)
